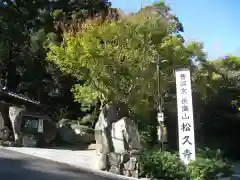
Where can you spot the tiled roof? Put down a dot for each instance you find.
(18, 96)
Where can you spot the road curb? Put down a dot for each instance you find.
(89, 169)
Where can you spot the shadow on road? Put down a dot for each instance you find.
(21, 167)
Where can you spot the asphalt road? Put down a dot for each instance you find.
(17, 166)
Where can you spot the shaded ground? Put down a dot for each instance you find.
(237, 169)
(17, 166)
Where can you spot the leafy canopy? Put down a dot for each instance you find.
(116, 60)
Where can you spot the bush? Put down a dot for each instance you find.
(87, 120)
(206, 168)
(209, 165)
(146, 136)
(209, 153)
(162, 165)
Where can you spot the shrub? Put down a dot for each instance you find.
(86, 120)
(209, 165)
(209, 153)
(162, 165)
(209, 168)
(146, 137)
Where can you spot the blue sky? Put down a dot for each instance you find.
(214, 22)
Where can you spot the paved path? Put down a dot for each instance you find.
(17, 166)
(78, 158)
(85, 160)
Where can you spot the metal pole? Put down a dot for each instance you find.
(158, 84)
(159, 102)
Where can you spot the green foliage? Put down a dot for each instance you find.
(26, 30)
(165, 165)
(116, 60)
(58, 12)
(85, 94)
(86, 120)
(221, 116)
(108, 78)
(229, 62)
(209, 164)
(162, 165)
(148, 129)
(209, 153)
(204, 169)
(148, 136)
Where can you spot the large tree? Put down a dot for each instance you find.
(221, 112)
(26, 28)
(116, 60)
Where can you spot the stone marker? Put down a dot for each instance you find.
(118, 143)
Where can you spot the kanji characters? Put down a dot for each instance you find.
(186, 140)
(183, 76)
(183, 83)
(184, 101)
(184, 91)
(187, 154)
(185, 116)
(185, 108)
(185, 127)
